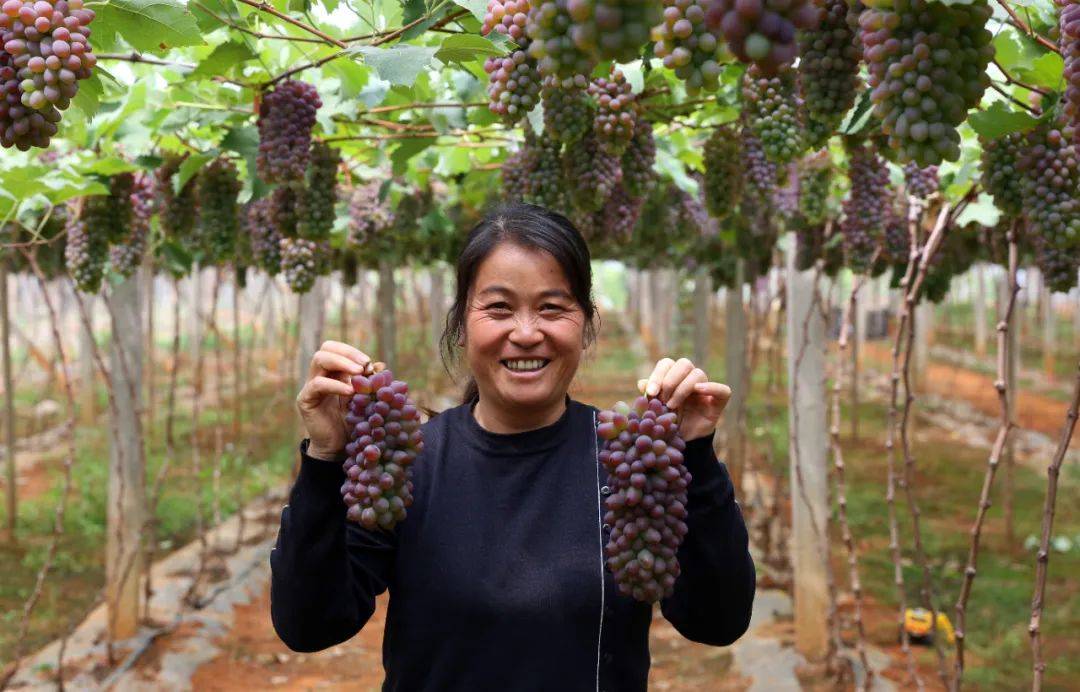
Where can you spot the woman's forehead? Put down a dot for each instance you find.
(514, 269)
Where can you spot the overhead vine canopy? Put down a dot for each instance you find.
(609, 92)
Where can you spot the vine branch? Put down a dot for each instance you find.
(270, 9)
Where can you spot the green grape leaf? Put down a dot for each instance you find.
(408, 149)
(106, 165)
(399, 65)
(981, 211)
(999, 120)
(458, 48)
(188, 169)
(1045, 71)
(226, 9)
(222, 58)
(149, 26)
(477, 7)
(353, 77)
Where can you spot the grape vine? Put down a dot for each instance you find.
(286, 118)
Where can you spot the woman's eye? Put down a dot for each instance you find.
(499, 306)
(551, 307)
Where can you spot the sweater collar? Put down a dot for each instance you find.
(519, 443)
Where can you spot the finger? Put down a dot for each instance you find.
(378, 366)
(346, 350)
(641, 384)
(686, 387)
(721, 393)
(320, 387)
(674, 378)
(652, 388)
(327, 362)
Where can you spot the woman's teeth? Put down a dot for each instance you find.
(525, 365)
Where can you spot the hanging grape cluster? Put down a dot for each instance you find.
(513, 84)
(85, 255)
(568, 109)
(864, 208)
(761, 174)
(302, 260)
(283, 210)
(546, 184)
(1069, 44)
(219, 214)
(265, 239)
(286, 118)
(315, 206)
(515, 172)
(384, 440)
(920, 182)
(828, 70)
(44, 53)
(1000, 176)
(507, 17)
(815, 179)
(723, 180)
(125, 256)
(637, 161)
(896, 244)
(1051, 168)
(178, 209)
(616, 112)
(553, 35)
(772, 109)
(761, 32)
(595, 174)
(927, 63)
(688, 46)
(369, 215)
(643, 454)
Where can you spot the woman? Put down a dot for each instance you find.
(496, 575)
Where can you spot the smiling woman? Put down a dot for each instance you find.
(496, 575)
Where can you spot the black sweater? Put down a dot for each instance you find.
(495, 574)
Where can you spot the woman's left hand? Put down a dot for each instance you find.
(687, 389)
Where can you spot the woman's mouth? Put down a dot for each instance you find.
(525, 365)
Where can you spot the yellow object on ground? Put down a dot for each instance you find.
(917, 622)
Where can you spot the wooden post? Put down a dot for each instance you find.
(310, 317)
(857, 342)
(702, 318)
(979, 309)
(1048, 336)
(126, 509)
(387, 319)
(86, 362)
(924, 316)
(809, 476)
(9, 404)
(734, 373)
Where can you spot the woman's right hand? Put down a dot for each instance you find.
(325, 396)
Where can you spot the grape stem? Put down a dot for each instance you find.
(997, 87)
(1021, 25)
(140, 58)
(270, 9)
(252, 32)
(1013, 80)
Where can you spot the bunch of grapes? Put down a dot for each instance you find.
(315, 207)
(785, 201)
(896, 245)
(620, 213)
(828, 70)
(286, 118)
(283, 215)
(616, 112)
(110, 215)
(920, 182)
(927, 63)
(85, 254)
(688, 45)
(723, 181)
(771, 105)
(516, 170)
(809, 245)
(507, 17)
(595, 174)
(694, 216)
(1051, 168)
(513, 84)
(303, 260)
(546, 183)
(384, 441)
(761, 174)
(1000, 176)
(643, 454)
(815, 176)
(44, 52)
(265, 239)
(178, 209)
(219, 220)
(1069, 43)
(125, 256)
(865, 206)
(614, 29)
(552, 33)
(761, 32)
(568, 110)
(369, 215)
(638, 159)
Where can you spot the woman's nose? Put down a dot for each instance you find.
(525, 332)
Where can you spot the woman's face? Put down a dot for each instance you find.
(524, 332)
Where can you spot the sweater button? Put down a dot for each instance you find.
(605, 490)
(606, 527)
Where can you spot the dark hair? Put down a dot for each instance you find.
(527, 226)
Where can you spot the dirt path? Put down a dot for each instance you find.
(1033, 411)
